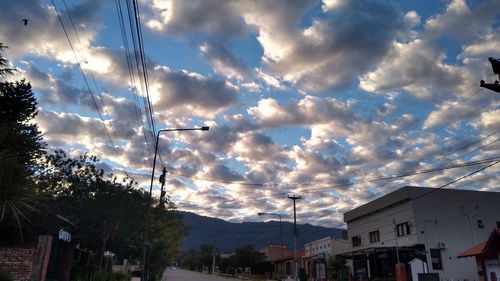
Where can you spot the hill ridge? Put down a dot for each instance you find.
(227, 235)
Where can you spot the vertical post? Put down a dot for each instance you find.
(396, 238)
(295, 233)
(42, 255)
(213, 262)
(145, 257)
(281, 238)
(162, 182)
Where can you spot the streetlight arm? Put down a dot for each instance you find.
(204, 128)
(145, 271)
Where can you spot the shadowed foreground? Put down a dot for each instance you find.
(186, 275)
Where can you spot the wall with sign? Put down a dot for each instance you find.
(492, 270)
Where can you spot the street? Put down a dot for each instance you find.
(186, 275)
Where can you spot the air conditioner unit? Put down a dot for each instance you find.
(442, 245)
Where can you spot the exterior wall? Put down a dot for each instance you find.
(319, 247)
(339, 246)
(440, 218)
(17, 261)
(383, 221)
(445, 215)
(328, 246)
(274, 253)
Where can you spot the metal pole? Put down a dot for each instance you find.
(145, 258)
(396, 236)
(295, 233)
(213, 262)
(281, 238)
(295, 241)
(145, 266)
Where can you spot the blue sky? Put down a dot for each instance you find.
(300, 96)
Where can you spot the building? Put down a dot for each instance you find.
(277, 254)
(273, 253)
(318, 254)
(417, 225)
(487, 256)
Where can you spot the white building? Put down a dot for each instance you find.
(318, 253)
(414, 222)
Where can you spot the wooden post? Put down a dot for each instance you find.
(41, 260)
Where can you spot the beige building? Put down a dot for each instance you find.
(275, 252)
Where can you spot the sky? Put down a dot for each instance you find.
(337, 101)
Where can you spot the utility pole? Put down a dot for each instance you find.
(295, 234)
(162, 182)
(213, 261)
(495, 65)
(396, 237)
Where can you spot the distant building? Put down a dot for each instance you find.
(278, 255)
(319, 252)
(273, 253)
(417, 224)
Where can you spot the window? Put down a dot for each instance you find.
(436, 259)
(374, 236)
(403, 229)
(480, 224)
(356, 241)
(498, 224)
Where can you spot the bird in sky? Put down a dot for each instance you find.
(25, 21)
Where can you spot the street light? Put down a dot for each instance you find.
(145, 269)
(281, 230)
(295, 197)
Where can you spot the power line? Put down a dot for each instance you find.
(137, 108)
(348, 183)
(88, 88)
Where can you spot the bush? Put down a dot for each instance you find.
(4, 275)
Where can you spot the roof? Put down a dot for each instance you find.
(396, 197)
(487, 248)
(474, 251)
(400, 196)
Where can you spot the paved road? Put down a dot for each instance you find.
(185, 275)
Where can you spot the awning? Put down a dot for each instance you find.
(474, 251)
(485, 248)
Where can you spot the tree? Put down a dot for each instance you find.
(110, 214)
(20, 145)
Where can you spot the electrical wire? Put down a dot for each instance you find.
(88, 88)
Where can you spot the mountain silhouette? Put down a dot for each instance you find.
(227, 235)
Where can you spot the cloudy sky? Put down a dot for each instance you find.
(318, 98)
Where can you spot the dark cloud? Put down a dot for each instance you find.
(216, 17)
(192, 93)
(223, 173)
(223, 60)
(334, 51)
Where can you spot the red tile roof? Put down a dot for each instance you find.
(484, 248)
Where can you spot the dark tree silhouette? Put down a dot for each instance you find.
(20, 145)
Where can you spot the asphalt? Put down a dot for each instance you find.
(186, 275)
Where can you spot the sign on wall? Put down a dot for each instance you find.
(492, 270)
(64, 235)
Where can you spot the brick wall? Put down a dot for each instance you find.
(17, 261)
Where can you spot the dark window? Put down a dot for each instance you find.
(356, 241)
(498, 224)
(403, 229)
(480, 224)
(374, 236)
(436, 259)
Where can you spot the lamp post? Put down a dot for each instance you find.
(295, 197)
(281, 231)
(145, 269)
